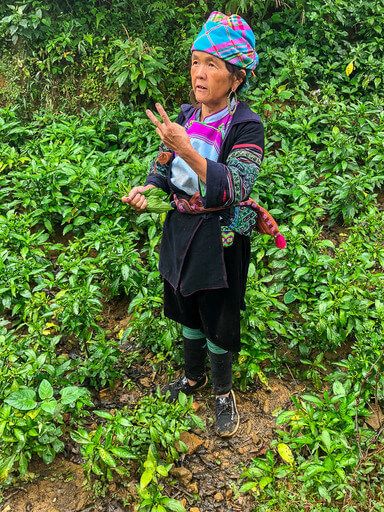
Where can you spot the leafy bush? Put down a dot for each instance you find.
(32, 423)
(102, 366)
(27, 21)
(325, 447)
(68, 245)
(34, 402)
(145, 438)
(139, 69)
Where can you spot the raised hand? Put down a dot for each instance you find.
(172, 134)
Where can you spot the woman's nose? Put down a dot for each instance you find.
(201, 72)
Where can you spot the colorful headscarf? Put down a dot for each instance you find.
(230, 38)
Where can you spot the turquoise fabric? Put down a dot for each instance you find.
(196, 334)
(214, 348)
(206, 138)
(192, 334)
(229, 38)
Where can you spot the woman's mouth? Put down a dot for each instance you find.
(200, 88)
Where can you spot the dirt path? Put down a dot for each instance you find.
(55, 488)
(217, 464)
(206, 478)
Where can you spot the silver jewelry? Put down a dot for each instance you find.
(232, 102)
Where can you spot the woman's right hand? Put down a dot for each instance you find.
(136, 199)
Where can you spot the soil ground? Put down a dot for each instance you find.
(206, 479)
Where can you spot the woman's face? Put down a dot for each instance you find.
(211, 81)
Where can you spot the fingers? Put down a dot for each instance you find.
(134, 192)
(151, 116)
(136, 199)
(139, 202)
(160, 127)
(163, 114)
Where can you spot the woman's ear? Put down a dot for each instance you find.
(239, 81)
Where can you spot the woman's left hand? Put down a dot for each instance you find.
(173, 135)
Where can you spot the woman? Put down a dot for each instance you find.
(208, 161)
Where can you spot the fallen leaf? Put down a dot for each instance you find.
(376, 419)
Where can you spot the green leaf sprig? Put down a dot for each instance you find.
(157, 201)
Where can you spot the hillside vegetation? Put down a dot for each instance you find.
(75, 79)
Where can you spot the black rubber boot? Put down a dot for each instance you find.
(195, 354)
(221, 368)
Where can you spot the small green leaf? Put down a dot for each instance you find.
(248, 486)
(326, 439)
(146, 478)
(284, 417)
(104, 414)
(302, 271)
(71, 394)
(125, 272)
(58, 445)
(49, 406)
(338, 389)
(121, 79)
(324, 493)
(22, 399)
(265, 481)
(6, 466)
(173, 505)
(106, 457)
(183, 400)
(80, 220)
(142, 85)
(289, 297)
(45, 390)
(162, 470)
(19, 434)
(197, 421)
(23, 464)
(297, 219)
(96, 469)
(123, 453)
(151, 455)
(313, 399)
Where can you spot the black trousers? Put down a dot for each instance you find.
(215, 312)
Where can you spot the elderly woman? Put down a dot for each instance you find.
(208, 162)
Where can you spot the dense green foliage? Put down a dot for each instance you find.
(75, 78)
(74, 54)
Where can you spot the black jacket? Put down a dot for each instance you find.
(191, 253)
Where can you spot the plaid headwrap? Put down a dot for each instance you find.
(230, 38)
